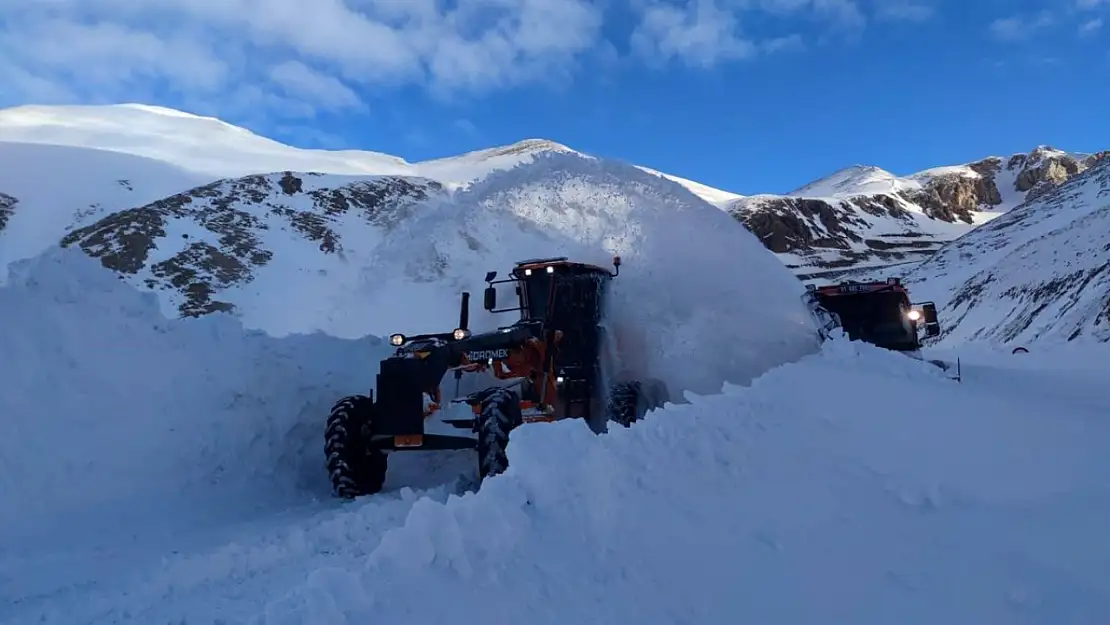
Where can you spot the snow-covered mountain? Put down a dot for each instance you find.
(1039, 272)
(862, 218)
(215, 149)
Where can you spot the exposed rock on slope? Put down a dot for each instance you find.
(59, 188)
(865, 216)
(7, 209)
(1040, 271)
(209, 239)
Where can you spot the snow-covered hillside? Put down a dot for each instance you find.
(167, 471)
(1040, 272)
(216, 149)
(48, 190)
(865, 218)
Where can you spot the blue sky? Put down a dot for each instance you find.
(746, 95)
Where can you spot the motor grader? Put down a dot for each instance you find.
(552, 363)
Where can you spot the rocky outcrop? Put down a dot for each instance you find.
(834, 233)
(229, 219)
(1041, 270)
(1044, 164)
(7, 209)
(954, 197)
(876, 217)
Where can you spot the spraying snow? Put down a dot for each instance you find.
(695, 287)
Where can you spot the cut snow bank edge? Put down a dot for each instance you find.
(105, 399)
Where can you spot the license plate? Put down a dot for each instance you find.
(408, 440)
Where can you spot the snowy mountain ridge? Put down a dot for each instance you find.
(863, 218)
(860, 218)
(1039, 272)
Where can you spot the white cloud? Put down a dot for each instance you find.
(698, 32)
(788, 43)
(844, 14)
(299, 80)
(1019, 27)
(292, 58)
(1090, 27)
(120, 49)
(704, 33)
(1090, 4)
(904, 10)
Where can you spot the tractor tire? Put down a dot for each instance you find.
(354, 467)
(630, 401)
(499, 415)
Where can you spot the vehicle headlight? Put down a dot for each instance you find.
(914, 315)
(460, 334)
(397, 340)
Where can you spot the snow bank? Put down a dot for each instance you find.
(105, 400)
(699, 300)
(855, 486)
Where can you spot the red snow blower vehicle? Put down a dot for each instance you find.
(879, 313)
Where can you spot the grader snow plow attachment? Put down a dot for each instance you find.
(546, 366)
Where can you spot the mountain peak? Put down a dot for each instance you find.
(854, 180)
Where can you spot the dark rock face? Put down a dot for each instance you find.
(1033, 281)
(809, 228)
(7, 209)
(232, 216)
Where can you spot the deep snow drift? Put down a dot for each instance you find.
(103, 398)
(927, 502)
(126, 437)
(856, 485)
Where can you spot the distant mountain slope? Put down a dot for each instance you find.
(197, 245)
(1041, 271)
(864, 216)
(46, 190)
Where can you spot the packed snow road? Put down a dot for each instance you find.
(854, 486)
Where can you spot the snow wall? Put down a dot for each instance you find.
(699, 300)
(102, 398)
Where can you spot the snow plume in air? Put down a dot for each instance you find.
(699, 300)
